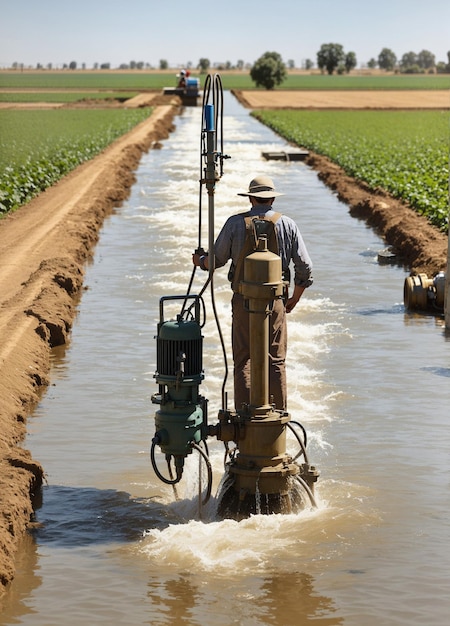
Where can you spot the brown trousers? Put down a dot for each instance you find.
(241, 353)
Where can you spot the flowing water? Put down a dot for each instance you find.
(369, 381)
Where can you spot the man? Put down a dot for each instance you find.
(229, 243)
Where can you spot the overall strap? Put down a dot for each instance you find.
(251, 243)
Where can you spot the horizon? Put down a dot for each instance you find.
(58, 32)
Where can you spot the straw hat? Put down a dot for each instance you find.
(261, 187)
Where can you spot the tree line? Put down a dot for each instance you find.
(270, 69)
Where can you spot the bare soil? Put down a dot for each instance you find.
(44, 248)
(358, 99)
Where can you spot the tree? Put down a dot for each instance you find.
(268, 71)
(73, 65)
(408, 60)
(350, 62)
(372, 64)
(330, 56)
(308, 64)
(163, 64)
(387, 60)
(426, 60)
(203, 65)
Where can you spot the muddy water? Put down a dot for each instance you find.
(370, 382)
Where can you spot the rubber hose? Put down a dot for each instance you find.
(302, 445)
(209, 469)
(156, 470)
(308, 490)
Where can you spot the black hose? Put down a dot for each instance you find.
(302, 428)
(213, 88)
(204, 442)
(199, 298)
(209, 469)
(306, 487)
(302, 444)
(165, 480)
(222, 343)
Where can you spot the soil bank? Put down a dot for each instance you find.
(44, 248)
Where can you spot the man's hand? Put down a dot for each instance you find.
(292, 301)
(290, 304)
(200, 259)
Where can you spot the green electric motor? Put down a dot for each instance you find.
(180, 418)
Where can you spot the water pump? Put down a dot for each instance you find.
(423, 293)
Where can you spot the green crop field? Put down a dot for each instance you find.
(37, 148)
(64, 96)
(403, 152)
(141, 80)
(85, 80)
(345, 82)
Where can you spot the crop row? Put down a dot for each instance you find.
(403, 152)
(64, 96)
(37, 148)
(231, 80)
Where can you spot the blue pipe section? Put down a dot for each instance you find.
(209, 117)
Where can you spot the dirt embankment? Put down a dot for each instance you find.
(420, 247)
(43, 251)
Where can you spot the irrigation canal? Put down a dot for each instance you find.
(369, 381)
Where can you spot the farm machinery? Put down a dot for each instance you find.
(187, 88)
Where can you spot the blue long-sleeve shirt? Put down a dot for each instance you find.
(291, 246)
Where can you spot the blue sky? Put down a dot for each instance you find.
(98, 31)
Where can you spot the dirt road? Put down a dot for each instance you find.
(43, 251)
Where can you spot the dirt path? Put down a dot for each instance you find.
(43, 251)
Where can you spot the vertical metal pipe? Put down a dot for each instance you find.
(259, 353)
